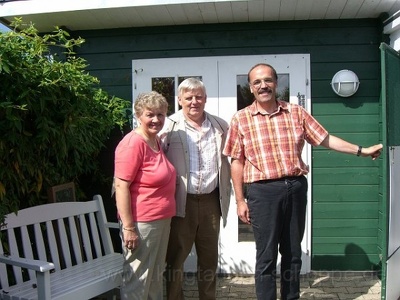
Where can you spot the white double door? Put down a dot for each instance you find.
(224, 77)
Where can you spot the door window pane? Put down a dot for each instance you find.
(166, 87)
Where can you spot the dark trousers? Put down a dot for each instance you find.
(277, 212)
(200, 227)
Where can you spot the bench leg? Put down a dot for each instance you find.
(112, 295)
(43, 285)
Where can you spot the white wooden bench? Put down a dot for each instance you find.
(58, 251)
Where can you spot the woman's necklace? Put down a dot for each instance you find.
(152, 142)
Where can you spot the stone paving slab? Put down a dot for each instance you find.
(314, 286)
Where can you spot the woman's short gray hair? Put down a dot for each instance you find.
(190, 84)
(151, 100)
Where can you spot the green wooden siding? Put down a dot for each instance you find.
(345, 188)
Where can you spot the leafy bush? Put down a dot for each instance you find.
(54, 118)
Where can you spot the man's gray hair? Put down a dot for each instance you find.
(190, 84)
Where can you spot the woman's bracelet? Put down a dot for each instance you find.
(129, 228)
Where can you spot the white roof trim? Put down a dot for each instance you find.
(107, 14)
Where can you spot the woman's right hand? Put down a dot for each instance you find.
(131, 238)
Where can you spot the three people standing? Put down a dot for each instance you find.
(265, 141)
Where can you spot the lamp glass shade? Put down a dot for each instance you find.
(345, 83)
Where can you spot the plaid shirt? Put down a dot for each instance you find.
(271, 144)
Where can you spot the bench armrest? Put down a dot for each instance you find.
(31, 264)
(113, 225)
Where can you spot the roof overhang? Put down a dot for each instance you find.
(107, 14)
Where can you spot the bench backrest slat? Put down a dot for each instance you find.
(76, 243)
(27, 247)
(52, 244)
(3, 271)
(85, 238)
(62, 235)
(12, 244)
(104, 232)
(95, 235)
(40, 246)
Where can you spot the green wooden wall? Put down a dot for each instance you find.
(345, 188)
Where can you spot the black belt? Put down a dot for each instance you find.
(279, 179)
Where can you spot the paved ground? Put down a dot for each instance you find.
(316, 285)
(321, 285)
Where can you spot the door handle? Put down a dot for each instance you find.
(301, 100)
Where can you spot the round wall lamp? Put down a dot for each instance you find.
(345, 83)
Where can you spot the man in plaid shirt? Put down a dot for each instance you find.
(265, 141)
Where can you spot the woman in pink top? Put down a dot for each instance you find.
(144, 189)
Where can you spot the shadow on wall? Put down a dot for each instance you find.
(354, 259)
(353, 269)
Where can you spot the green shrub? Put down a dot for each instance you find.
(54, 118)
